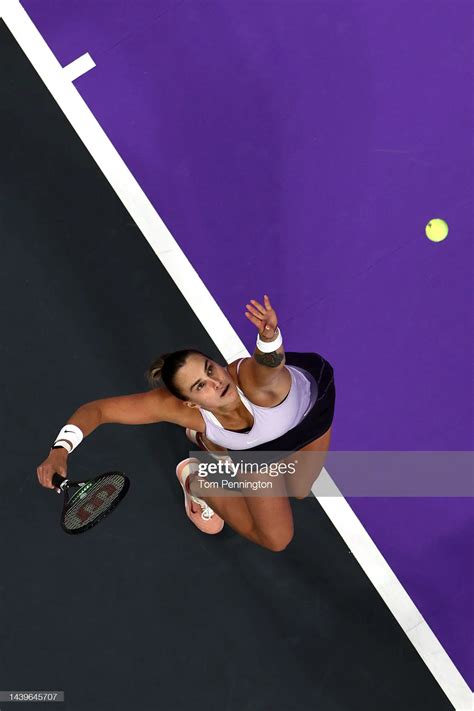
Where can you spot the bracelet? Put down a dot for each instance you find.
(270, 346)
(69, 437)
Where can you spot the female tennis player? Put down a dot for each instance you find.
(244, 405)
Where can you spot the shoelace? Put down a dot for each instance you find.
(206, 512)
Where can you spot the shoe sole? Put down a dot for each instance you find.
(187, 499)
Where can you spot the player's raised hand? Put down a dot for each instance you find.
(263, 317)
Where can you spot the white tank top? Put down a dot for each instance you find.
(269, 422)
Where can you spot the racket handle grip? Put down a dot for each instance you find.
(57, 480)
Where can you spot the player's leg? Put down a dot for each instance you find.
(308, 463)
(266, 520)
(269, 524)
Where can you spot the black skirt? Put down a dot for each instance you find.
(319, 418)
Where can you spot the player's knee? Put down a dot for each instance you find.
(279, 545)
(278, 540)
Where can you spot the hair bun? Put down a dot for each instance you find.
(153, 373)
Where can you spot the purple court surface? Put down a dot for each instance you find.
(299, 148)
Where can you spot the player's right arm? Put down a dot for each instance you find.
(157, 405)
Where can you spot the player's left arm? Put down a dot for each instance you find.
(266, 370)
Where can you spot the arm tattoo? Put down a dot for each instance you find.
(271, 360)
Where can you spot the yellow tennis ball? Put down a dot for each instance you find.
(437, 230)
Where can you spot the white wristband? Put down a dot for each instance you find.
(269, 346)
(62, 443)
(72, 434)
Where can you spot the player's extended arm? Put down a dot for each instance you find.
(155, 405)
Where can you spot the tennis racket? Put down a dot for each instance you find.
(93, 500)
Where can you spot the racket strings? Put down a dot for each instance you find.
(96, 499)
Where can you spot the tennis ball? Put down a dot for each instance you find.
(437, 230)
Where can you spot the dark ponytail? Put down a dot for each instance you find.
(164, 369)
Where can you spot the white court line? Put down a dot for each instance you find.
(78, 67)
(227, 341)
